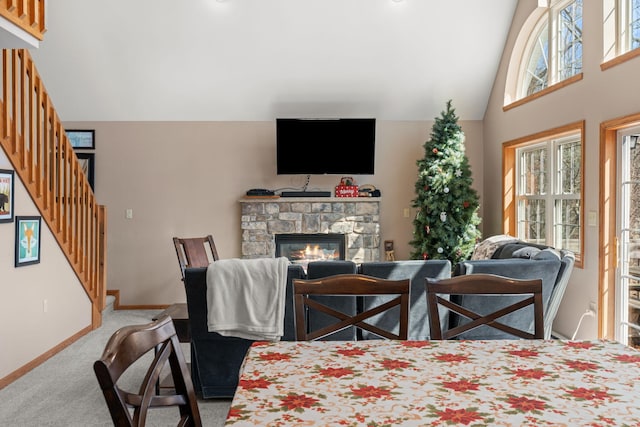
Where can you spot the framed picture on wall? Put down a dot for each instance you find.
(82, 139)
(87, 161)
(27, 240)
(6, 195)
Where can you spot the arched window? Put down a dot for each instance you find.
(548, 50)
(621, 29)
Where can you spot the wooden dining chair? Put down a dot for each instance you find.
(355, 285)
(191, 252)
(491, 286)
(195, 252)
(126, 346)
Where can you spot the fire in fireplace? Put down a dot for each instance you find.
(303, 248)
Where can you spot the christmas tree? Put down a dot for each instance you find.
(446, 222)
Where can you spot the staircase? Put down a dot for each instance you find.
(35, 142)
(27, 15)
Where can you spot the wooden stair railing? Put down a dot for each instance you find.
(26, 14)
(35, 142)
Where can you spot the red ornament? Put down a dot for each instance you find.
(435, 151)
(427, 229)
(425, 255)
(465, 204)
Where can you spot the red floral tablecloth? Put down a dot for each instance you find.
(438, 383)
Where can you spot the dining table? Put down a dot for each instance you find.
(438, 383)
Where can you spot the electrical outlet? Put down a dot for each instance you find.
(593, 307)
(406, 212)
(44, 306)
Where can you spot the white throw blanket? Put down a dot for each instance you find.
(245, 297)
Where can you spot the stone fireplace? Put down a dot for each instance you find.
(357, 219)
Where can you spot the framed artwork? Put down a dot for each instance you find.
(87, 161)
(82, 139)
(6, 195)
(27, 240)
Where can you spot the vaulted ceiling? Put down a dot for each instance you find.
(237, 60)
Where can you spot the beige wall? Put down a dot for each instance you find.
(600, 96)
(26, 331)
(185, 178)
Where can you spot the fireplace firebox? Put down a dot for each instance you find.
(303, 248)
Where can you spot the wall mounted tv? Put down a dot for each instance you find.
(325, 146)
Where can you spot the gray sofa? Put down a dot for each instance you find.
(520, 260)
(216, 360)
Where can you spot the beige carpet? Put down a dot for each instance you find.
(64, 391)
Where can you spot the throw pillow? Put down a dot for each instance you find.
(486, 248)
(549, 253)
(525, 252)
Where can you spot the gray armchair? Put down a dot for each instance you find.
(521, 260)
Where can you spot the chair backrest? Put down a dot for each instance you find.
(345, 304)
(126, 346)
(349, 284)
(193, 252)
(491, 286)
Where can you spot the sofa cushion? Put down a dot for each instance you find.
(417, 271)
(515, 268)
(517, 249)
(344, 304)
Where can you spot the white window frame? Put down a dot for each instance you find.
(624, 34)
(552, 194)
(617, 32)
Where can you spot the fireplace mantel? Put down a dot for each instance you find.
(357, 218)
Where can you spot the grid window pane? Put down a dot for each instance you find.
(536, 77)
(570, 40)
(532, 225)
(534, 172)
(569, 165)
(568, 225)
(634, 23)
(634, 314)
(634, 211)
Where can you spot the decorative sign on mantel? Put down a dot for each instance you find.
(347, 187)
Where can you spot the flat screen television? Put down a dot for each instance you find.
(325, 146)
